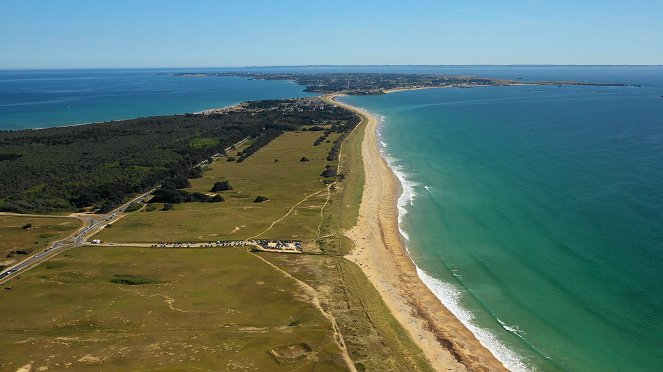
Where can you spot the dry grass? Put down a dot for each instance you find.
(285, 183)
(189, 311)
(44, 230)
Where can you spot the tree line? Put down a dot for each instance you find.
(100, 165)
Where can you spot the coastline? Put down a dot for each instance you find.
(444, 339)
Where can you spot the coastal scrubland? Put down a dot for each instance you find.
(295, 190)
(99, 165)
(189, 308)
(20, 236)
(126, 308)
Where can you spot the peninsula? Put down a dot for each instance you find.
(381, 83)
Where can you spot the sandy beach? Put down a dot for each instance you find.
(381, 253)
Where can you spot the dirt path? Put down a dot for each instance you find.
(315, 300)
(287, 214)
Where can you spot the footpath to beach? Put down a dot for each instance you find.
(380, 252)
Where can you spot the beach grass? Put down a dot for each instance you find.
(122, 308)
(374, 338)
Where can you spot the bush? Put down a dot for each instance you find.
(168, 207)
(132, 280)
(216, 198)
(196, 172)
(304, 158)
(221, 186)
(260, 199)
(151, 208)
(200, 197)
(230, 159)
(133, 207)
(27, 226)
(329, 172)
(176, 183)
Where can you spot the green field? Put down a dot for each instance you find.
(188, 310)
(294, 189)
(217, 308)
(44, 230)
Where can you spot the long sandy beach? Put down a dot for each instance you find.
(381, 253)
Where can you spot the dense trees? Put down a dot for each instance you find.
(174, 196)
(263, 140)
(64, 168)
(100, 164)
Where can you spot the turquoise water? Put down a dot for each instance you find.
(38, 99)
(536, 215)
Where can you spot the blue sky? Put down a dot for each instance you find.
(205, 33)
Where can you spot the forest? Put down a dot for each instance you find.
(100, 165)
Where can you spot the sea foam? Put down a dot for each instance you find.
(408, 195)
(448, 294)
(450, 297)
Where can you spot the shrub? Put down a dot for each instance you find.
(329, 172)
(221, 186)
(168, 207)
(133, 207)
(260, 199)
(216, 198)
(304, 158)
(27, 226)
(132, 280)
(199, 197)
(196, 172)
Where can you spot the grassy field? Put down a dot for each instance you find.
(162, 309)
(343, 208)
(44, 230)
(375, 340)
(222, 308)
(294, 189)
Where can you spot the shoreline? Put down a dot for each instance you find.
(446, 342)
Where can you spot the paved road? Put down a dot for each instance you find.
(91, 227)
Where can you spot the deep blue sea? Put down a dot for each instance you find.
(534, 212)
(38, 99)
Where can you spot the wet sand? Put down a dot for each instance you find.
(381, 253)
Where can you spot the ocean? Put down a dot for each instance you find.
(535, 213)
(39, 99)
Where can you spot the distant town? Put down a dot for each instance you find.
(379, 83)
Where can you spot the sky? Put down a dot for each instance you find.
(207, 33)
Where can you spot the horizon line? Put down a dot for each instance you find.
(324, 65)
